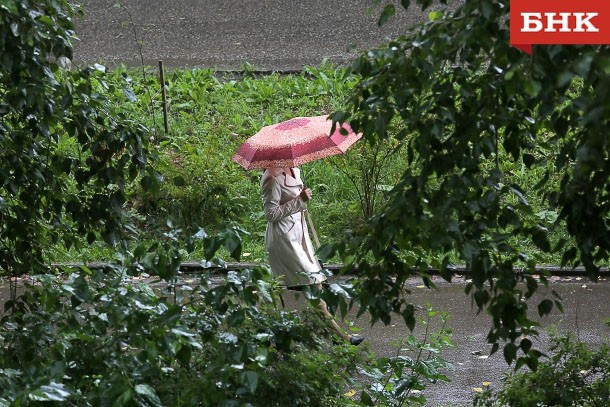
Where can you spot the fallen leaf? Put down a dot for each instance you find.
(350, 393)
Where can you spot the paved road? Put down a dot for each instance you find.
(225, 34)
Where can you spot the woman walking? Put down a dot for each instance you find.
(287, 241)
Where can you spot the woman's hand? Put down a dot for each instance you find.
(305, 194)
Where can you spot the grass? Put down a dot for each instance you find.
(210, 116)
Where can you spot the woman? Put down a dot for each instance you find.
(291, 254)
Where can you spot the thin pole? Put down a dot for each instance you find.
(163, 97)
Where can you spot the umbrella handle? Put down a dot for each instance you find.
(310, 223)
(313, 230)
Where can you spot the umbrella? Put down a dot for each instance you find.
(294, 142)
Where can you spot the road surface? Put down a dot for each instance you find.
(226, 34)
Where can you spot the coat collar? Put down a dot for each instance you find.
(295, 181)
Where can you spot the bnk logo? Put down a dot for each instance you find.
(562, 22)
(559, 22)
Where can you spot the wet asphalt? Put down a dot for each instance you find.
(586, 305)
(226, 34)
(281, 35)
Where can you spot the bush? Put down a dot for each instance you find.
(97, 339)
(573, 376)
(402, 379)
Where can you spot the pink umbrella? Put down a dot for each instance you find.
(294, 142)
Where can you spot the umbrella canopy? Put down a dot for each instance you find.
(294, 142)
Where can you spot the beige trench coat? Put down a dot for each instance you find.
(291, 254)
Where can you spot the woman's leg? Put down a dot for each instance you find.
(328, 316)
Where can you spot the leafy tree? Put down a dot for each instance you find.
(469, 102)
(64, 160)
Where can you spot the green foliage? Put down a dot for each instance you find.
(473, 110)
(65, 162)
(573, 376)
(401, 380)
(369, 170)
(210, 115)
(98, 337)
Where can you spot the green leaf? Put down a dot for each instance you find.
(559, 305)
(147, 183)
(388, 12)
(408, 315)
(232, 243)
(9, 5)
(149, 394)
(52, 392)
(251, 380)
(435, 15)
(99, 67)
(545, 307)
(366, 399)
(525, 345)
(517, 191)
(532, 362)
(184, 356)
(182, 332)
(236, 318)
(179, 181)
(129, 94)
(510, 352)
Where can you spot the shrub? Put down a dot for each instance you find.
(402, 379)
(98, 337)
(572, 376)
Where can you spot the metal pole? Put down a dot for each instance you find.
(163, 97)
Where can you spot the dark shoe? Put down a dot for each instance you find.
(356, 340)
